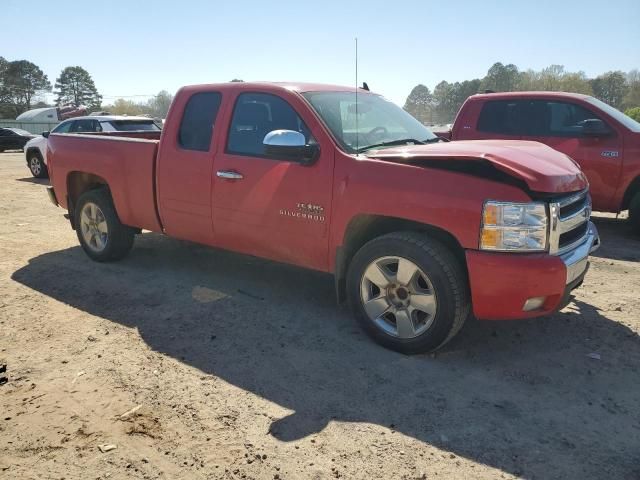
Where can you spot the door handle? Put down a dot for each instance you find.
(229, 175)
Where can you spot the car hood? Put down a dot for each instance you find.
(539, 166)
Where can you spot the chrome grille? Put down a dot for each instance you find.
(569, 222)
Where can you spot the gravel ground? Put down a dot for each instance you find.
(236, 367)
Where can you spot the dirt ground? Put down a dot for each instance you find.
(243, 368)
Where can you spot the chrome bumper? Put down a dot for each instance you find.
(577, 259)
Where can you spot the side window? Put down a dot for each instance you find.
(64, 127)
(198, 119)
(4, 133)
(81, 126)
(500, 116)
(567, 119)
(255, 115)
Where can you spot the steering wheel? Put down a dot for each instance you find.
(377, 133)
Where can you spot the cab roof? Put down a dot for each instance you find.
(534, 94)
(300, 87)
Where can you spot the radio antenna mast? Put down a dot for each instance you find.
(357, 132)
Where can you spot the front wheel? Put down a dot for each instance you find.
(99, 230)
(37, 166)
(408, 292)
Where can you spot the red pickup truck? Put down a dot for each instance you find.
(418, 232)
(602, 140)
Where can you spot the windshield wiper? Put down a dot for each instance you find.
(402, 141)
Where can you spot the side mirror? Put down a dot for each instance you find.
(45, 134)
(290, 145)
(594, 127)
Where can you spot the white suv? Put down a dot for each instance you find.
(35, 150)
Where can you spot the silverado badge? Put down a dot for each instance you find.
(305, 211)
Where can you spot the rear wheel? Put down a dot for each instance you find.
(408, 292)
(99, 230)
(37, 166)
(634, 212)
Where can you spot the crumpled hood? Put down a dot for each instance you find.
(541, 167)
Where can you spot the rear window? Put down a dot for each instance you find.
(198, 119)
(130, 125)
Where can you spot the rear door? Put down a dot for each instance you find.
(5, 139)
(270, 207)
(185, 167)
(497, 119)
(558, 123)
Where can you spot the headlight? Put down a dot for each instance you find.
(514, 227)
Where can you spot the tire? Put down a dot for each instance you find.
(430, 310)
(100, 233)
(36, 165)
(634, 212)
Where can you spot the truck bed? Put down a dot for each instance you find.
(126, 164)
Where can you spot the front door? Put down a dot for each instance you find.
(185, 166)
(269, 207)
(559, 125)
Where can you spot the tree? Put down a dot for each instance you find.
(126, 107)
(611, 88)
(632, 98)
(75, 86)
(20, 82)
(633, 113)
(576, 82)
(420, 103)
(237, 80)
(159, 105)
(501, 78)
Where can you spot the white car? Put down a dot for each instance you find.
(35, 150)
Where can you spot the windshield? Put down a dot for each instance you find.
(129, 125)
(627, 121)
(375, 121)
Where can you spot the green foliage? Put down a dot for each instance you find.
(75, 86)
(20, 82)
(633, 113)
(155, 107)
(501, 78)
(159, 105)
(611, 88)
(632, 98)
(420, 103)
(614, 88)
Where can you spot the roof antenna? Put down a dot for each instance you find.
(357, 133)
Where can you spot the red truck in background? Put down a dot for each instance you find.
(417, 232)
(602, 140)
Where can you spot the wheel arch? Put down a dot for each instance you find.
(31, 150)
(363, 228)
(632, 189)
(79, 183)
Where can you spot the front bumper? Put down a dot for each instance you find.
(501, 283)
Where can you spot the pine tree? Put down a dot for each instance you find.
(75, 86)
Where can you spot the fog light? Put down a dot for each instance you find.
(533, 303)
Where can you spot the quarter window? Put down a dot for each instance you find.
(255, 115)
(198, 120)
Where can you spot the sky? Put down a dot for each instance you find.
(134, 49)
